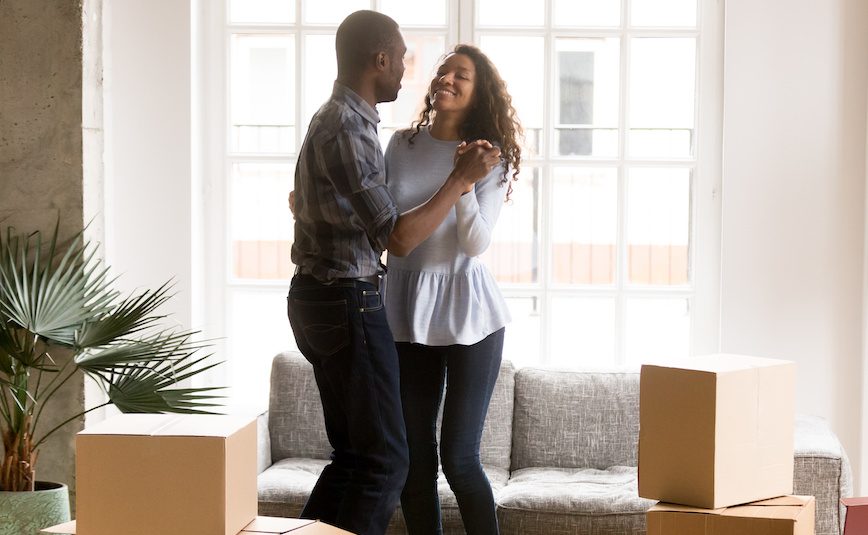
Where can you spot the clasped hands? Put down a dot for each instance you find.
(474, 160)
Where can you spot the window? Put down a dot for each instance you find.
(607, 253)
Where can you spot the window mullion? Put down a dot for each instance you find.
(621, 232)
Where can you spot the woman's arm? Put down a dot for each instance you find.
(477, 213)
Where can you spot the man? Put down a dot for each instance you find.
(345, 218)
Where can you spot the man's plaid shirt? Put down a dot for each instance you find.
(344, 213)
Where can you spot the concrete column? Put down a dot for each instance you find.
(42, 167)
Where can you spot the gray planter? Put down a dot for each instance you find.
(25, 513)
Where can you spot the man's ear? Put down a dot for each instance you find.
(381, 60)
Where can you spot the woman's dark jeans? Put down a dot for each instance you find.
(341, 329)
(468, 374)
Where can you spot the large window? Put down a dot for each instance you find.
(606, 252)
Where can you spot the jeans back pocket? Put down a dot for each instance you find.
(323, 325)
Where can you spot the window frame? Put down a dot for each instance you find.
(215, 162)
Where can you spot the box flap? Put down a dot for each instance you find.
(663, 507)
(722, 363)
(854, 502)
(786, 500)
(128, 424)
(204, 425)
(790, 507)
(272, 524)
(782, 508)
(193, 425)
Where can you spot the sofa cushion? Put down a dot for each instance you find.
(285, 486)
(575, 420)
(554, 501)
(496, 447)
(297, 428)
(295, 419)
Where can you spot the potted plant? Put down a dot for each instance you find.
(55, 299)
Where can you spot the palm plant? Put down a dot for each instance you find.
(58, 298)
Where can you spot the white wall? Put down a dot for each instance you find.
(793, 197)
(148, 147)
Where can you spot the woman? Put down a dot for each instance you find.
(445, 310)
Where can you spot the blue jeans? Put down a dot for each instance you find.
(341, 330)
(468, 374)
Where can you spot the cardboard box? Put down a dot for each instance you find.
(856, 521)
(716, 430)
(261, 525)
(140, 474)
(786, 515)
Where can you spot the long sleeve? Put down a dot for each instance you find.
(477, 213)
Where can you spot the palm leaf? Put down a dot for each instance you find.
(130, 316)
(51, 301)
(162, 346)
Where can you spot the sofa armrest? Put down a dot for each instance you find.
(821, 469)
(263, 443)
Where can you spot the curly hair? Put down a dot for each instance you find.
(492, 117)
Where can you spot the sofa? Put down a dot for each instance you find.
(559, 447)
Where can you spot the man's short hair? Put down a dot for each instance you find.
(361, 36)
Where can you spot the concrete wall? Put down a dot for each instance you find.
(41, 146)
(793, 211)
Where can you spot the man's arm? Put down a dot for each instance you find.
(414, 226)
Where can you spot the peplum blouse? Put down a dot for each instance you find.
(441, 293)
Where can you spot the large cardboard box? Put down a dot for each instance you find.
(140, 474)
(716, 430)
(785, 515)
(261, 525)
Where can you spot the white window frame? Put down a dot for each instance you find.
(215, 163)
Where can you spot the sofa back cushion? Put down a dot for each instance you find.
(575, 419)
(297, 428)
(295, 419)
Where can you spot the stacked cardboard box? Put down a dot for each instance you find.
(716, 447)
(140, 474)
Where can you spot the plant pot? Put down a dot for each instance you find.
(25, 513)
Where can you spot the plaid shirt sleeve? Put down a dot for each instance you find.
(356, 168)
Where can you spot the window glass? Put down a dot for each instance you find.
(656, 329)
(658, 228)
(584, 225)
(522, 339)
(424, 52)
(510, 12)
(667, 13)
(662, 97)
(427, 13)
(586, 13)
(586, 97)
(583, 332)
(524, 79)
(260, 224)
(257, 330)
(262, 103)
(261, 11)
(513, 256)
(331, 12)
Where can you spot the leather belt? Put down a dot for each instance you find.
(370, 279)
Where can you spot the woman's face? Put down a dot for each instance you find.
(452, 89)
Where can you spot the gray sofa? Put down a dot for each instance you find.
(560, 450)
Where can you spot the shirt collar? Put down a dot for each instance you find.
(357, 103)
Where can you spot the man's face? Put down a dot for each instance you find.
(394, 72)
